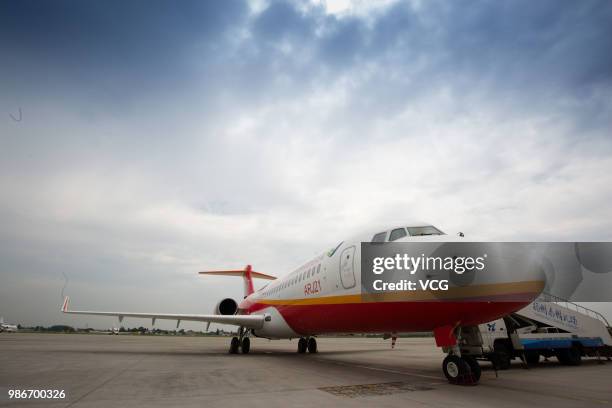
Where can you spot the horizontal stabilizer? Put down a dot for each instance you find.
(247, 274)
(238, 272)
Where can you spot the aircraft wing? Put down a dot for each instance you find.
(248, 321)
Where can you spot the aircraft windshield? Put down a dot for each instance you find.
(420, 231)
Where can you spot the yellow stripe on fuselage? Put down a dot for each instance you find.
(458, 293)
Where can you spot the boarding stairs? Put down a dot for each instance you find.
(553, 314)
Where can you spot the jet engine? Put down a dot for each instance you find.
(227, 306)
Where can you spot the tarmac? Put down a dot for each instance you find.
(130, 371)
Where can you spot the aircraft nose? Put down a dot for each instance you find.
(506, 271)
(514, 269)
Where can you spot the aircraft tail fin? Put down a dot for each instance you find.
(248, 274)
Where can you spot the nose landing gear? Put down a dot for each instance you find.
(458, 369)
(461, 370)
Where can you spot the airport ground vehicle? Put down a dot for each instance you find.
(548, 327)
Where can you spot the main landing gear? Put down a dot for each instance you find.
(242, 342)
(309, 344)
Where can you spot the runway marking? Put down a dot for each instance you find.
(366, 390)
(492, 385)
(388, 370)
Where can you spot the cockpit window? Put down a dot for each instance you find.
(331, 252)
(397, 234)
(380, 237)
(420, 231)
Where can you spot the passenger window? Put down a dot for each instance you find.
(397, 234)
(380, 237)
(318, 269)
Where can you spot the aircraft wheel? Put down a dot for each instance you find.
(312, 345)
(246, 345)
(532, 357)
(457, 371)
(562, 356)
(234, 345)
(570, 356)
(474, 367)
(575, 356)
(502, 356)
(302, 345)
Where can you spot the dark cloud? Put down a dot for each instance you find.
(161, 137)
(281, 20)
(120, 47)
(553, 43)
(343, 43)
(141, 49)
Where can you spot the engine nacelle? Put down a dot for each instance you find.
(227, 306)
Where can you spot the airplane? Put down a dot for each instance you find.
(5, 327)
(323, 296)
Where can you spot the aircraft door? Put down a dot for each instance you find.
(347, 267)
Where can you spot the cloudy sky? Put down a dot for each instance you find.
(143, 141)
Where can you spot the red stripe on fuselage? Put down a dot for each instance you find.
(385, 317)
